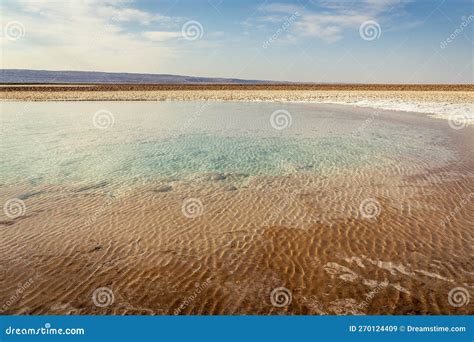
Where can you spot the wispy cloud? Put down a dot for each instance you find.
(328, 20)
(89, 35)
(160, 36)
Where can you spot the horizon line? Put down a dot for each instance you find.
(248, 81)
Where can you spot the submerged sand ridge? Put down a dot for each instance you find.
(242, 244)
(368, 239)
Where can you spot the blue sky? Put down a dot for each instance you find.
(366, 41)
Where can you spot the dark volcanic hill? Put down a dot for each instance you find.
(93, 77)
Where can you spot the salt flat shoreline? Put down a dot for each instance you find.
(444, 103)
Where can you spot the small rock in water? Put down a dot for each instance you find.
(27, 195)
(230, 188)
(217, 177)
(95, 249)
(210, 176)
(163, 188)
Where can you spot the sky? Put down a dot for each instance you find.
(365, 41)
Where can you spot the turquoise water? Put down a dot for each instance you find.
(64, 142)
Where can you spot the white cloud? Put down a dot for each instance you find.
(326, 26)
(327, 20)
(129, 15)
(279, 8)
(86, 35)
(159, 36)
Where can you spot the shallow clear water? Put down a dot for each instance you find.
(59, 142)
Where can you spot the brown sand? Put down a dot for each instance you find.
(312, 93)
(302, 232)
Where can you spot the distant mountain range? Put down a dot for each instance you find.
(93, 77)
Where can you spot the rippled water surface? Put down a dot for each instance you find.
(334, 203)
(60, 142)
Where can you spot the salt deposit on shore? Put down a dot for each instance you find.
(441, 104)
